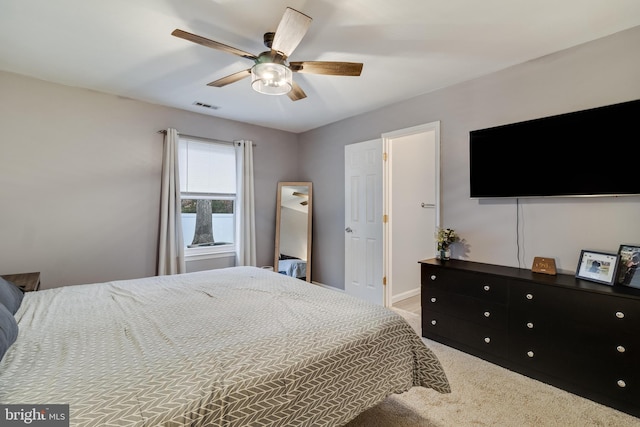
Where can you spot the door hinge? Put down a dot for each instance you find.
(384, 156)
(384, 280)
(385, 218)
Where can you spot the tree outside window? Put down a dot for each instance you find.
(205, 211)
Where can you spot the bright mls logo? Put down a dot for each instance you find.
(34, 415)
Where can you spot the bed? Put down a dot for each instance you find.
(231, 347)
(293, 267)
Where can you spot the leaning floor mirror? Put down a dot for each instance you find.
(293, 230)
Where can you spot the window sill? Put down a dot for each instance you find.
(209, 252)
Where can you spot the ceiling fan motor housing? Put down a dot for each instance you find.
(272, 57)
(268, 39)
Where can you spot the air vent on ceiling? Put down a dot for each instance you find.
(203, 105)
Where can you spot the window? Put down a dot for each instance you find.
(208, 192)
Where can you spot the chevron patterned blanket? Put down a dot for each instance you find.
(240, 346)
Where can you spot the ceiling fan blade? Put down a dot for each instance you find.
(327, 67)
(212, 44)
(296, 93)
(291, 29)
(231, 78)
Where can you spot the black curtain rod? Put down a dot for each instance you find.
(164, 132)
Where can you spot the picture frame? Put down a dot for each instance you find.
(599, 267)
(628, 274)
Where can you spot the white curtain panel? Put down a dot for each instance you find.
(171, 243)
(246, 216)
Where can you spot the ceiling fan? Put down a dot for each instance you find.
(299, 194)
(271, 74)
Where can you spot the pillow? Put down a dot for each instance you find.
(10, 295)
(8, 330)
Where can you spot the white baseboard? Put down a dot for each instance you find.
(405, 295)
(327, 286)
(394, 299)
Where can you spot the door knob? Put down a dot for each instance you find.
(427, 205)
(348, 230)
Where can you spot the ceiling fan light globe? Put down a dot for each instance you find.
(271, 78)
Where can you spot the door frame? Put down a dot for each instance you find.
(387, 232)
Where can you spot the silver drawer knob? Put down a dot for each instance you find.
(619, 315)
(433, 299)
(621, 349)
(621, 383)
(433, 277)
(487, 314)
(486, 287)
(487, 340)
(529, 296)
(433, 322)
(530, 325)
(530, 353)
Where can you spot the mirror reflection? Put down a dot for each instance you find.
(293, 230)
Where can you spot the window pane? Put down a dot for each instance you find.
(208, 222)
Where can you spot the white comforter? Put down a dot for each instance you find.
(233, 347)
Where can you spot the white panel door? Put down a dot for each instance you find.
(363, 221)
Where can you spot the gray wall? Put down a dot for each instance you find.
(80, 180)
(594, 74)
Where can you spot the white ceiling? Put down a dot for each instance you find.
(408, 47)
(291, 198)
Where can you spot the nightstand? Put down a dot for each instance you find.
(28, 282)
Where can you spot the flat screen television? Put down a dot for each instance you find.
(593, 152)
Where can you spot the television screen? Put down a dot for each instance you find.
(593, 152)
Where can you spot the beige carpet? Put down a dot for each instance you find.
(484, 394)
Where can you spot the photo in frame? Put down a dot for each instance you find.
(629, 261)
(600, 267)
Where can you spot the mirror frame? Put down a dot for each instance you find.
(276, 255)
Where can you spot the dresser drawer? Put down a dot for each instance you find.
(624, 386)
(477, 285)
(615, 374)
(479, 311)
(575, 342)
(598, 345)
(606, 312)
(487, 340)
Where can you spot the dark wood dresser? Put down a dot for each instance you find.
(576, 335)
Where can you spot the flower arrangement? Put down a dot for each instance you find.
(445, 237)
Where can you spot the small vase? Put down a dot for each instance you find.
(445, 254)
